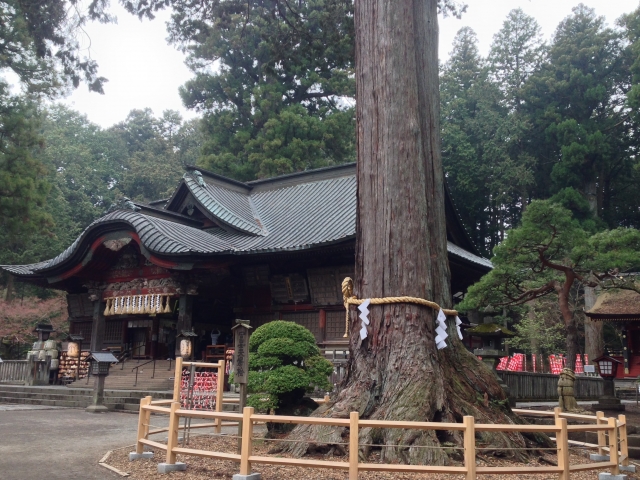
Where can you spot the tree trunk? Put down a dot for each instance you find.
(396, 373)
(10, 292)
(568, 318)
(593, 336)
(567, 401)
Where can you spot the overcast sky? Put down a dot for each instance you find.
(144, 71)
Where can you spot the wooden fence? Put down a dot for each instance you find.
(544, 386)
(25, 372)
(612, 436)
(523, 385)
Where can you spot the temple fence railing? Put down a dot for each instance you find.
(25, 372)
(525, 386)
(612, 444)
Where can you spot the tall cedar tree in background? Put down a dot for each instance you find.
(477, 130)
(39, 46)
(282, 98)
(580, 123)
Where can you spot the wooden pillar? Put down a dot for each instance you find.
(185, 317)
(323, 325)
(98, 326)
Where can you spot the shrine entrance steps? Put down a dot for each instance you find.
(60, 396)
(123, 376)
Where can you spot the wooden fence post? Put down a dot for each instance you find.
(247, 441)
(562, 444)
(602, 439)
(470, 446)
(613, 446)
(556, 413)
(172, 440)
(143, 418)
(219, 394)
(177, 380)
(353, 445)
(624, 444)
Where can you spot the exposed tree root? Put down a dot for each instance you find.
(397, 374)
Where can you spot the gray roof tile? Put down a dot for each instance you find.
(291, 217)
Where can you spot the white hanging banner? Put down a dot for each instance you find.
(458, 323)
(441, 330)
(364, 313)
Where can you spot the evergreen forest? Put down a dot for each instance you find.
(546, 126)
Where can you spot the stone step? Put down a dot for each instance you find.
(55, 390)
(633, 440)
(39, 401)
(633, 443)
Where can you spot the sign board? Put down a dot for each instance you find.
(589, 369)
(241, 351)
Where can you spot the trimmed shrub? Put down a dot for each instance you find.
(284, 365)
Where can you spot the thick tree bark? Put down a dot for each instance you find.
(397, 373)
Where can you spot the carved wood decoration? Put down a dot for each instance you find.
(325, 284)
(143, 286)
(290, 288)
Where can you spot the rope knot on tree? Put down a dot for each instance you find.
(350, 299)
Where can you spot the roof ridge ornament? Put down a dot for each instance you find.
(199, 179)
(123, 203)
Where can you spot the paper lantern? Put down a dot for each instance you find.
(50, 345)
(54, 363)
(53, 353)
(73, 350)
(185, 348)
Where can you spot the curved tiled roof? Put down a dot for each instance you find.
(283, 217)
(231, 207)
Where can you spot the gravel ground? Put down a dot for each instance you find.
(205, 469)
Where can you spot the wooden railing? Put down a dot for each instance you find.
(544, 386)
(610, 430)
(620, 454)
(25, 372)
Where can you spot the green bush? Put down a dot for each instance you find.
(284, 365)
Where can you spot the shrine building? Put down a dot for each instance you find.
(217, 250)
(622, 309)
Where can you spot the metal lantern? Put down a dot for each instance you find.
(607, 366)
(100, 362)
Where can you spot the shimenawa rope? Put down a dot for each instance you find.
(350, 299)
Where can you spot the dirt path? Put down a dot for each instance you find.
(60, 443)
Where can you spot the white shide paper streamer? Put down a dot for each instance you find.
(441, 330)
(364, 313)
(458, 323)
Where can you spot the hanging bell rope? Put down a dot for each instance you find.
(138, 305)
(350, 299)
